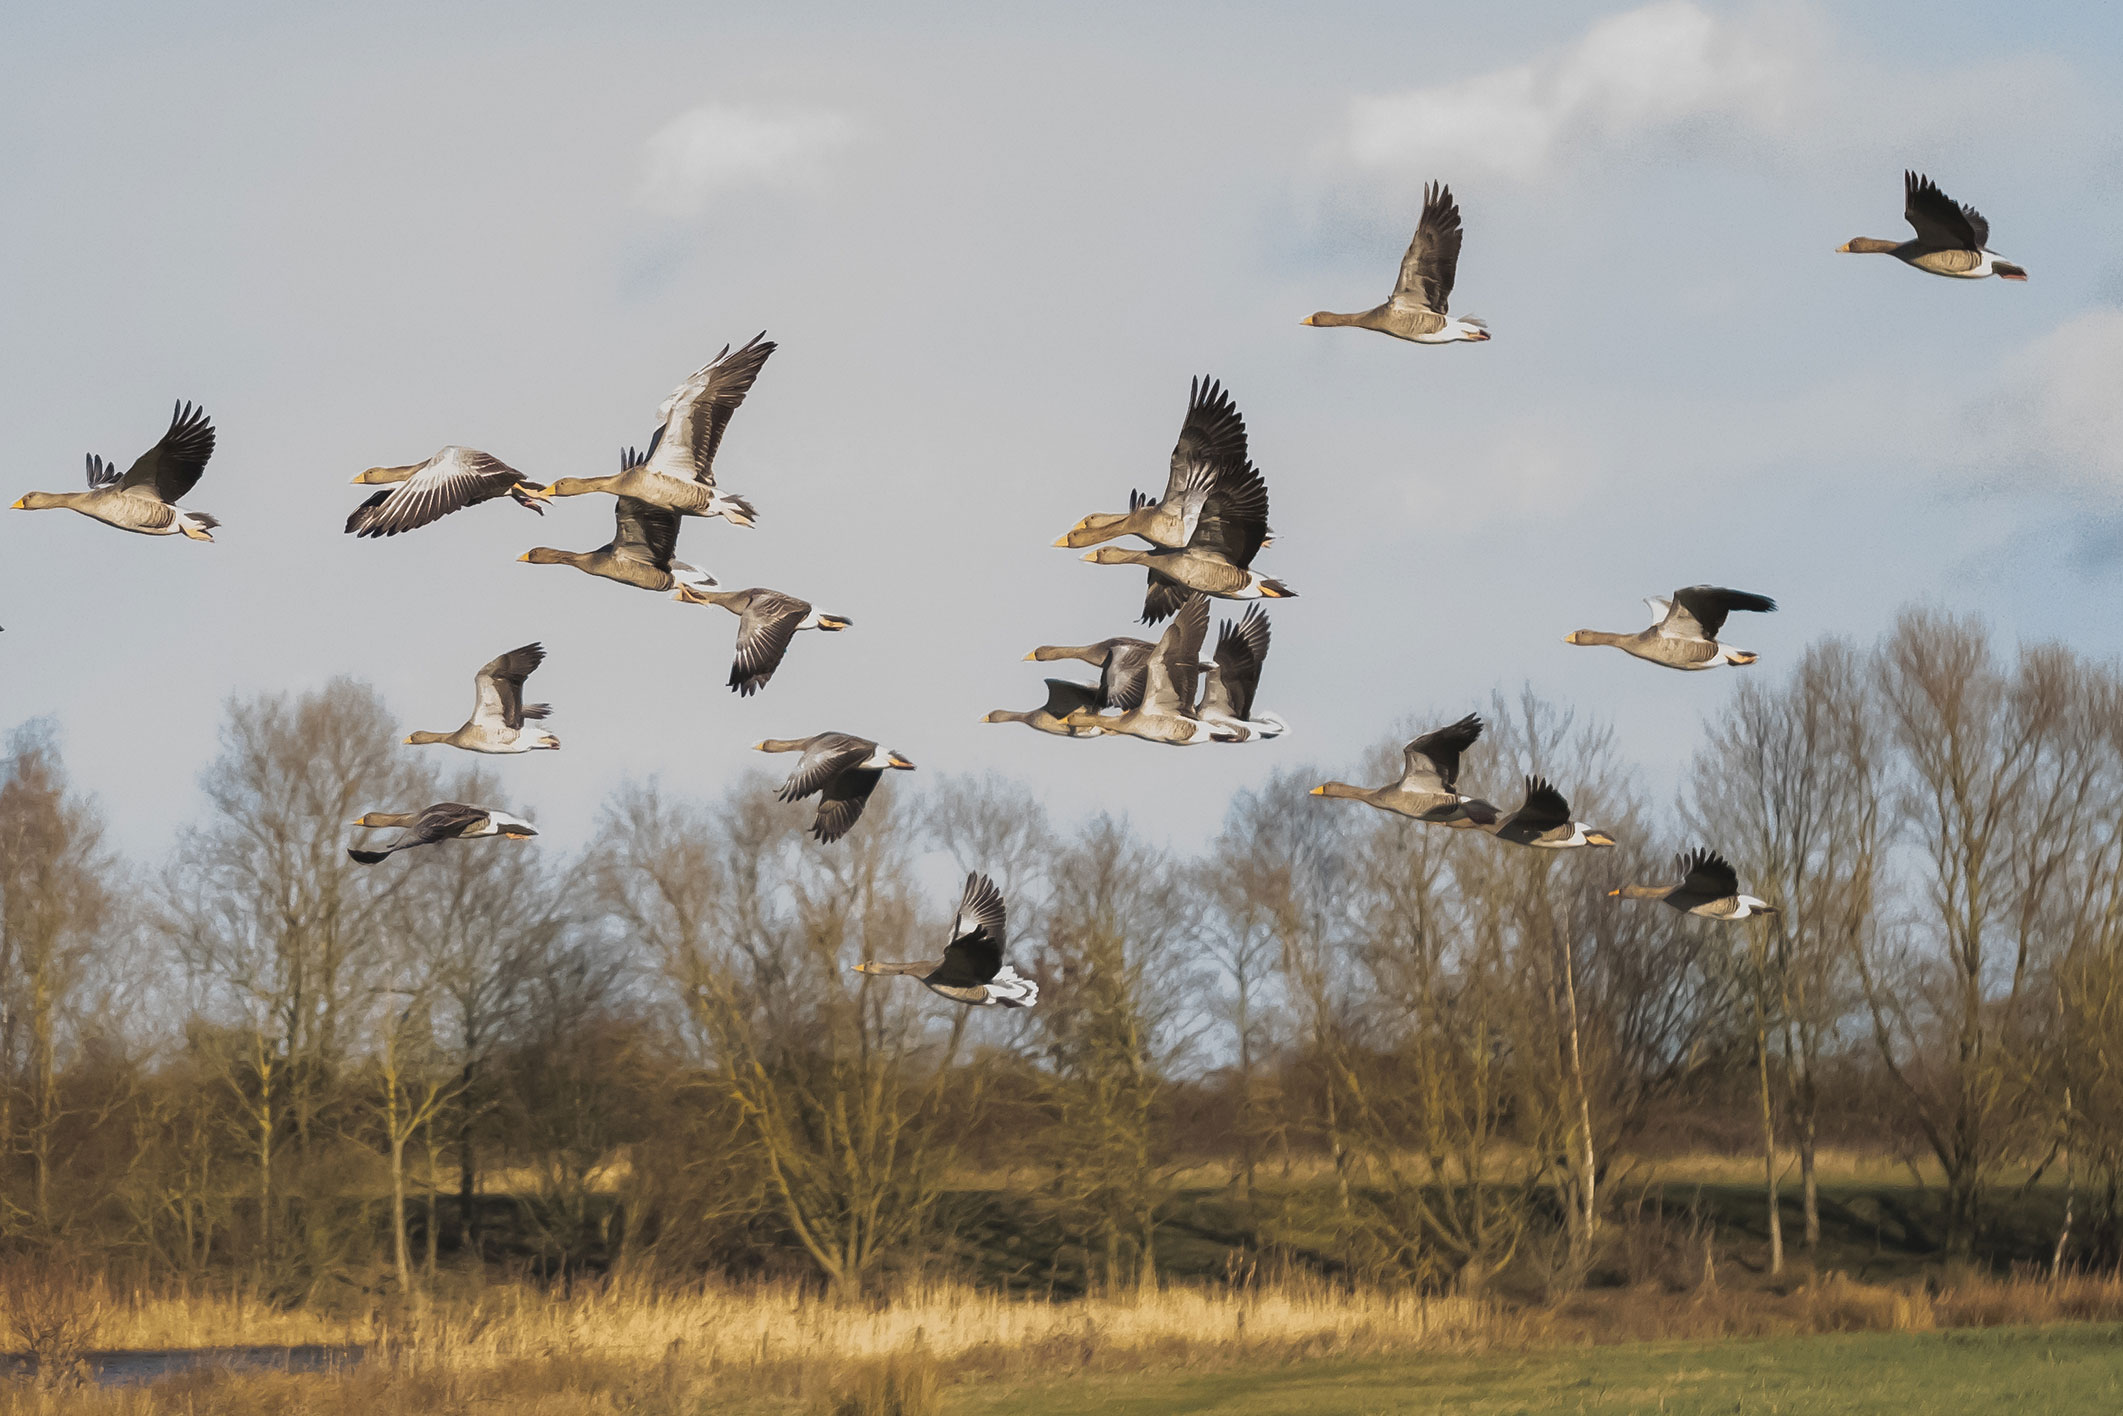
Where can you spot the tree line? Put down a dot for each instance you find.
(1409, 1055)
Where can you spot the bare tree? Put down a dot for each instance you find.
(56, 906)
(275, 926)
(1997, 783)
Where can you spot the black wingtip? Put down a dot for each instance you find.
(367, 857)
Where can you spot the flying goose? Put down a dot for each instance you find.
(679, 472)
(766, 621)
(1416, 309)
(1212, 437)
(1166, 713)
(972, 968)
(1428, 789)
(451, 480)
(1216, 561)
(499, 712)
(144, 499)
(1686, 634)
(444, 821)
(1063, 698)
(842, 769)
(1123, 664)
(1544, 822)
(1951, 237)
(1234, 676)
(1709, 887)
(639, 553)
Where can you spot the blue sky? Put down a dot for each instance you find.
(994, 250)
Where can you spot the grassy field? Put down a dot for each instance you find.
(2064, 1369)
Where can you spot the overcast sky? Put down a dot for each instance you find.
(993, 251)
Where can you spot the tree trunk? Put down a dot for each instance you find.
(401, 1252)
(1769, 1147)
(1588, 1183)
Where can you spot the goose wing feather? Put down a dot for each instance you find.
(451, 480)
(1432, 761)
(173, 466)
(1175, 666)
(828, 756)
(501, 686)
(1433, 257)
(1938, 219)
(1241, 649)
(698, 411)
(975, 954)
(1699, 611)
(764, 632)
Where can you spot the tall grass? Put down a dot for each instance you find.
(774, 1348)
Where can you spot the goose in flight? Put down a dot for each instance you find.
(1212, 437)
(766, 621)
(451, 480)
(1952, 239)
(1123, 665)
(1709, 887)
(444, 821)
(1166, 714)
(1686, 634)
(144, 499)
(639, 553)
(1417, 308)
(1063, 698)
(842, 770)
(1544, 822)
(499, 712)
(679, 471)
(1217, 559)
(1428, 789)
(1234, 676)
(972, 969)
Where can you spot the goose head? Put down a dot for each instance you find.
(832, 622)
(546, 555)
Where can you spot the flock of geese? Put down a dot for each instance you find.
(1199, 538)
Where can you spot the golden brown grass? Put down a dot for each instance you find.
(781, 1349)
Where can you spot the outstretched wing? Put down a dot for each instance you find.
(828, 756)
(1163, 599)
(173, 466)
(763, 635)
(1234, 520)
(1175, 665)
(1433, 256)
(840, 804)
(1940, 220)
(1065, 696)
(501, 685)
(451, 480)
(1545, 808)
(975, 953)
(1127, 669)
(1698, 611)
(1213, 433)
(101, 473)
(700, 408)
(1240, 650)
(644, 533)
(1706, 875)
(1432, 761)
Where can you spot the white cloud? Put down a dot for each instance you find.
(712, 149)
(1663, 68)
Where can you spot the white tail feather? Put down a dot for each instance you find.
(1010, 991)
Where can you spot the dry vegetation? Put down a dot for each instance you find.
(628, 1127)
